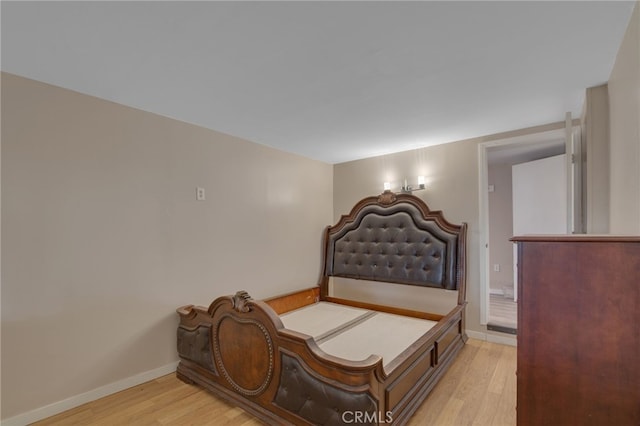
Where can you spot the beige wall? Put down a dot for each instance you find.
(102, 237)
(500, 227)
(451, 172)
(597, 176)
(624, 104)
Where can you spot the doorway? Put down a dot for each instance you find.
(498, 270)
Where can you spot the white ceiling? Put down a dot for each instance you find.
(334, 81)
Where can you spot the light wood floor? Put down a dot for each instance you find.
(503, 311)
(479, 389)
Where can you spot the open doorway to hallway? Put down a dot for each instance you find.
(504, 160)
(527, 195)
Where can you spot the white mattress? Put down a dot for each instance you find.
(353, 333)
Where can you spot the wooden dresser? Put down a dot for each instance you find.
(578, 330)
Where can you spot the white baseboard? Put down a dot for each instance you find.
(493, 338)
(77, 400)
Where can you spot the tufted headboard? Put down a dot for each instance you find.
(395, 238)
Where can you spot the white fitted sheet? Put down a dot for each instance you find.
(353, 333)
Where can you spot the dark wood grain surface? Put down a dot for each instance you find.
(578, 330)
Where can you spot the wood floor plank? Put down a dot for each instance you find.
(450, 412)
(505, 409)
(71, 417)
(479, 389)
(487, 413)
(430, 410)
(503, 311)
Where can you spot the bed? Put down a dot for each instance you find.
(366, 345)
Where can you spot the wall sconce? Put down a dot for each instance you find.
(407, 188)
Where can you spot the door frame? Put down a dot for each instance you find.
(568, 129)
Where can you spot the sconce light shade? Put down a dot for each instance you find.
(407, 188)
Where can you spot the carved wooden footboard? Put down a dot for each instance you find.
(239, 349)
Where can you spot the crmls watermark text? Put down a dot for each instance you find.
(356, 417)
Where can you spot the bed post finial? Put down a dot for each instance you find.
(387, 197)
(240, 300)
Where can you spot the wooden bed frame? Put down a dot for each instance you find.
(239, 349)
